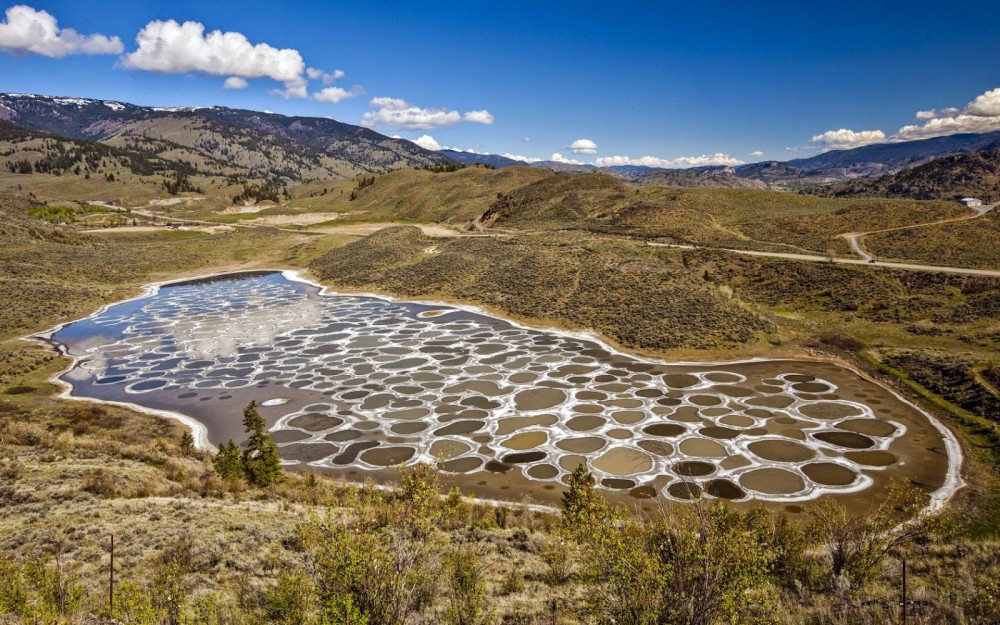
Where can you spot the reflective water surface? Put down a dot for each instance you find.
(358, 385)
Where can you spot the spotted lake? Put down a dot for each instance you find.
(359, 385)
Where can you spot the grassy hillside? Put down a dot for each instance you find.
(641, 297)
(973, 174)
(192, 547)
(964, 244)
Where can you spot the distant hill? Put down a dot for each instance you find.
(240, 142)
(714, 177)
(887, 158)
(471, 158)
(972, 174)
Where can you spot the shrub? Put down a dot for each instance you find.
(288, 600)
(100, 482)
(469, 604)
(696, 567)
(857, 544)
(377, 574)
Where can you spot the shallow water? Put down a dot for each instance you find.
(358, 384)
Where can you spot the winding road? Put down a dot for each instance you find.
(842, 261)
(854, 238)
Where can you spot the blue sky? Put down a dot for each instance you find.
(672, 81)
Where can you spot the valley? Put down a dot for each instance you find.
(689, 345)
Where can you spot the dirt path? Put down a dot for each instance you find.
(977, 374)
(855, 238)
(844, 261)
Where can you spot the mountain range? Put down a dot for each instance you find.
(245, 144)
(234, 142)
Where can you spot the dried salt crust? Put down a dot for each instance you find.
(558, 432)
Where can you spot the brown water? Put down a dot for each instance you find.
(357, 386)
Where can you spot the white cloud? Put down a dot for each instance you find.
(478, 117)
(235, 82)
(757, 153)
(527, 139)
(393, 104)
(523, 159)
(980, 115)
(583, 146)
(559, 158)
(27, 31)
(398, 113)
(317, 74)
(172, 48)
(333, 95)
(294, 90)
(427, 142)
(678, 163)
(845, 139)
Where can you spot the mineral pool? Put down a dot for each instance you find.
(359, 385)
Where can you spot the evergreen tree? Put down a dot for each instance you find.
(187, 444)
(581, 504)
(228, 462)
(260, 459)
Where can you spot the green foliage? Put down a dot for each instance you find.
(697, 567)
(951, 376)
(376, 573)
(228, 462)
(858, 543)
(134, 604)
(13, 593)
(469, 604)
(513, 582)
(180, 184)
(259, 192)
(419, 495)
(340, 610)
(289, 600)
(39, 591)
(187, 444)
(443, 168)
(261, 463)
(170, 592)
(455, 510)
(583, 507)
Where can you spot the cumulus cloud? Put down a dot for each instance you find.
(845, 139)
(427, 142)
(333, 95)
(682, 162)
(757, 153)
(478, 117)
(980, 115)
(559, 158)
(27, 31)
(523, 159)
(327, 78)
(235, 82)
(398, 113)
(583, 146)
(168, 47)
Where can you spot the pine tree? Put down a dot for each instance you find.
(228, 462)
(187, 444)
(260, 458)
